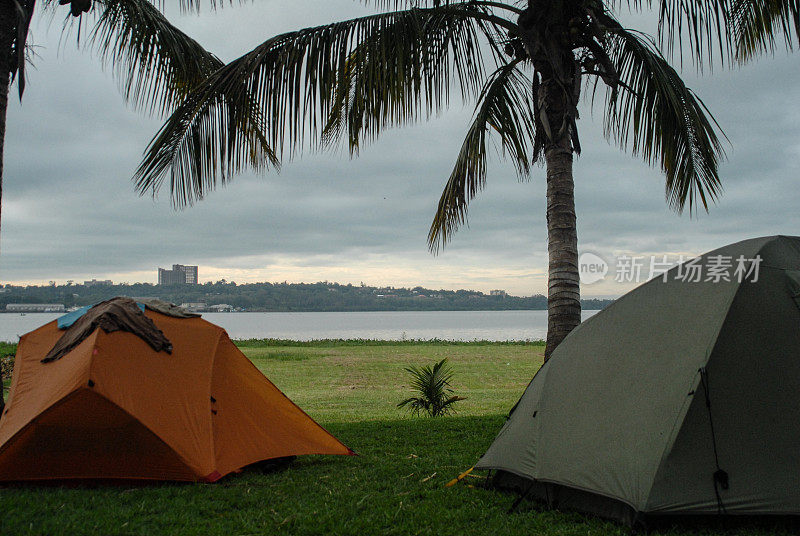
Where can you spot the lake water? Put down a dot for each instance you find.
(393, 325)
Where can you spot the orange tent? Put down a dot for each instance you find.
(113, 408)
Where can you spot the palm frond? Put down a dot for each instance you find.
(703, 25)
(183, 5)
(656, 116)
(393, 76)
(199, 152)
(733, 29)
(21, 17)
(757, 25)
(196, 5)
(408, 4)
(156, 63)
(410, 59)
(415, 405)
(446, 404)
(505, 106)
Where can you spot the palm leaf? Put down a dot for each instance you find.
(415, 404)
(156, 63)
(735, 28)
(504, 106)
(196, 5)
(295, 78)
(198, 151)
(183, 5)
(406, 4)
(657, 117)
(21, 17)
(447, 404)
(399, 72)
(703, 25)
(757, 24)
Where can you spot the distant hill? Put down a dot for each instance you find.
(323, 296)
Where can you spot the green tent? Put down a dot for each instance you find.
(681, 398)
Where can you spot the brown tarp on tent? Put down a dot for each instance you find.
(116, 314)
(114, 408)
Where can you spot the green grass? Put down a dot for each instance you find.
(394, 487)
(6, 364)
(7, 348)
(286, 356)
(349, 383)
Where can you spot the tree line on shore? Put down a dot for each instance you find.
(321, 296)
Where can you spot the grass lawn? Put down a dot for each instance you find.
(394, 486)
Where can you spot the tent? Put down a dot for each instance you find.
(113, 407)
(681, 398)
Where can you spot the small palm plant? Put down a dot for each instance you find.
(435, 397)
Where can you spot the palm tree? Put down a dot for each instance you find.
(156, 62)
(350, 80)
(434, 395)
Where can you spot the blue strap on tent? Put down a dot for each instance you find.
(66, 321)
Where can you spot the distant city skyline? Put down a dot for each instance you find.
(179, 275)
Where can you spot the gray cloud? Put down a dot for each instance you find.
(69, 210)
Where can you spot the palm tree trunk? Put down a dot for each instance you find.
(563, 283)
(558, 111)
(544, 28)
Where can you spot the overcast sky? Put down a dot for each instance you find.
(70, 211)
